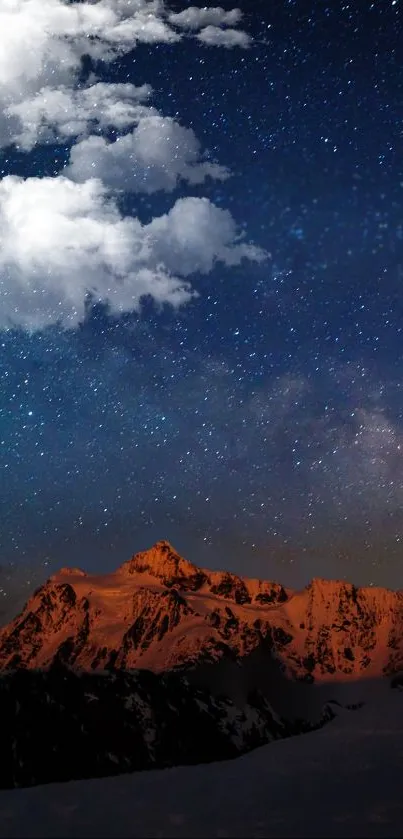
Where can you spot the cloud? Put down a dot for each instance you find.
(61, 240)
(195, 18)
(155, 155)
(43, 42)
(213, 36)
(195, 234)
(64, 113)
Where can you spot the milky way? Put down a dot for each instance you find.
(201, 256)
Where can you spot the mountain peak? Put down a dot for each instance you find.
(163, 545)
(165, 563)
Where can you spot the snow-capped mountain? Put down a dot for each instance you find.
(160, 612)
(163, 663)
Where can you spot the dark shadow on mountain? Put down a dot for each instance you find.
(61, 724)
(294, 700)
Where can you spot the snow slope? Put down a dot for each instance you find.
(341, 781)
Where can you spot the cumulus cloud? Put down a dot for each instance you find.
(43, 42)
(195, 234)
(195, 18)
(61, 240)
(62, 113)
(64, 239)
(213, 36)
(154, 156)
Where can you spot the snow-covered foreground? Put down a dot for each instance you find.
(343, 780)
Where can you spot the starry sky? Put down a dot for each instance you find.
(201, 263)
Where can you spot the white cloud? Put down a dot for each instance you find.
(154, 156)
(157, 153)
(58, 114)
(213, 36)
(195, 233)
(195, 18)
(43, 40)
(63, 238)
(210, 21)
(60, 240)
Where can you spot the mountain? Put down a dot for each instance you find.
(162, 662)
(160, 612)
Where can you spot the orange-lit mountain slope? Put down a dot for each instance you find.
(159, 611)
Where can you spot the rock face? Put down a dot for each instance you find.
(350, 632)
(160, 612)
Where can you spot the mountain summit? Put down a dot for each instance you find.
(164, 563)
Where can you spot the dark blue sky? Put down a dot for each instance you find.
(259, 426)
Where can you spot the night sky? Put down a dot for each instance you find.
(201, 263)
